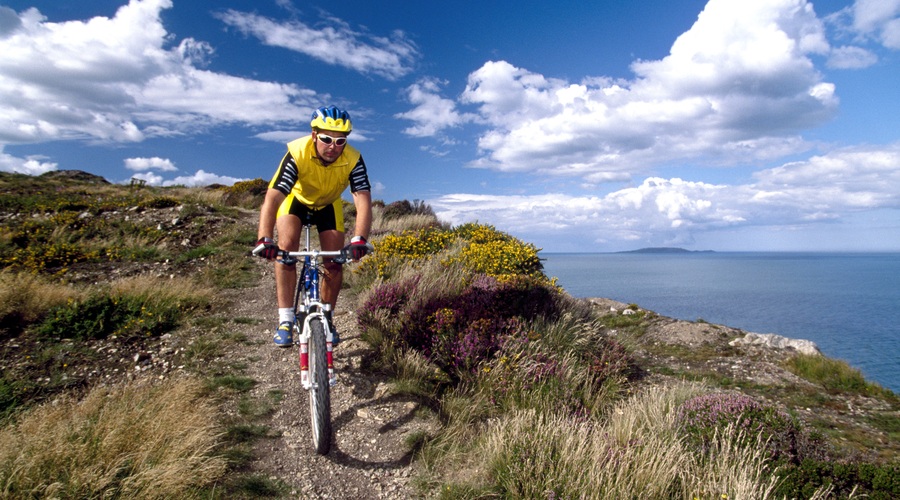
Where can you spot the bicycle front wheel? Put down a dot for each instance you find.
(320, 391)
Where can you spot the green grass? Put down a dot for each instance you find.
(232, 382)
(834, 375)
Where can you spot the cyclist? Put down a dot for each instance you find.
(308, 185)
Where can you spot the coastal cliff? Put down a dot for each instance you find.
(864, 415)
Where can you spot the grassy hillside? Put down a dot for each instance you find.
(540, 395)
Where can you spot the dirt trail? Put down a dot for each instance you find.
(369, 457)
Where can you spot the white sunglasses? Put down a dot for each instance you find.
(327, 139)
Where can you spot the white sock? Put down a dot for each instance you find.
(285, 314)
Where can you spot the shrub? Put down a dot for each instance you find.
(137, 307)
(846, 480)
(492, 252)
(56, 256)
(403, 208)
(100, 316)
(504, 259)
(395, 252)
(255, 187)
(460, 331)
(245, 193)
(702, 417)
(484, 250)
(383, 306)
(162, 202)
(9, 400)
(414, 245)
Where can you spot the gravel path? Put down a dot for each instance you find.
(369, 457)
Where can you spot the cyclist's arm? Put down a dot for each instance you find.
(362, 198)
(279, 187)
(363, 202)
(268, 213)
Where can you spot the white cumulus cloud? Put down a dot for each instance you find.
(120, 79)
(432, 113)
(31, 165)
(880, 19)
(738, 86)
(198, 179)
(661, 211)
(155, 163)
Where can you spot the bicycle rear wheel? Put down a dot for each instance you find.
(320, 391)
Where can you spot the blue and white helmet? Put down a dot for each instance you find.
(331, 118)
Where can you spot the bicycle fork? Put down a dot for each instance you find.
(304, 348)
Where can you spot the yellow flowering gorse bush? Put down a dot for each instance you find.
(484, 250)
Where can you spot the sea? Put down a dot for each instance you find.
(847, 303)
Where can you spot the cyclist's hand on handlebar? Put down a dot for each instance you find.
(266, 248)
(358, 248)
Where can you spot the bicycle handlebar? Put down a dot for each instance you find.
(341, 256)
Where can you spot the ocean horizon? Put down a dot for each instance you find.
(845, 302)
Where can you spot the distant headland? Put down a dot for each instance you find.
(665, 250)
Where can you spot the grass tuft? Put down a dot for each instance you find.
(132, 441)
(834, 375)
(25, 298)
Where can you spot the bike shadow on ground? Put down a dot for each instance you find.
(352, 413)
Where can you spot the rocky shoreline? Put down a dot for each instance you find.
(770, 340)
(731, 359)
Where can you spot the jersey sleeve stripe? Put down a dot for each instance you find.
(359, 178)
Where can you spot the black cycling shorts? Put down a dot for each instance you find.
(326, 218)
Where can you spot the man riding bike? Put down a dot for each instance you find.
(308, 185)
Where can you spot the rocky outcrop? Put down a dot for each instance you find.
(777, 342)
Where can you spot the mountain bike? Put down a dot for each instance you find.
(312, 332)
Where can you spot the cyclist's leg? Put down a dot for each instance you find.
(334, 275)
(288, 227)
(289, 230)
(330, 224)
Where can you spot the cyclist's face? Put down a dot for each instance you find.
(329, 152)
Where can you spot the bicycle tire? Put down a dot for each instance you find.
(320, 390)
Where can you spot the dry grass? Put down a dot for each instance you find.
(397, 225)
(635, 453)
(133, 441)
(26, 297)
(157, 290)
(416, 375)
(206, 197)
(733, 470)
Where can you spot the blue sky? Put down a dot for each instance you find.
(576, 126)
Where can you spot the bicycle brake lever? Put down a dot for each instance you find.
(340, 259)
(287, 259)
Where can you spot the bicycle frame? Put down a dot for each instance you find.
(309, 306)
